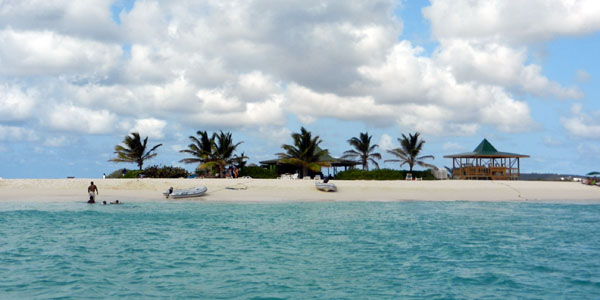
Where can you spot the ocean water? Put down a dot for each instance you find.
(355, 250)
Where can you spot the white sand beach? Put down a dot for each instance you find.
(273, 190)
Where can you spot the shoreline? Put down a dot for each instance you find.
(276, 190)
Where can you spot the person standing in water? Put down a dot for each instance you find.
(93, 191)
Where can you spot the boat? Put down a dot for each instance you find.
(185, 193)
(326, 186)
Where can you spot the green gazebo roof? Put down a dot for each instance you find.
(485, 149)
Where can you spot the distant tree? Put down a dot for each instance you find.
(240, 160)
(201, 148)
(212, 151)
(304, 153)
(409, 150)
(222, 154)
(363, 151)
(134, 150)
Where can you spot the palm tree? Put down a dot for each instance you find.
(409, 152)
(200, 148)
(305, 152)
(240, 160)
(364, 150)
(222, 154)
(134, 150)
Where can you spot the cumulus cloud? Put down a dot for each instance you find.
(69, 118)
(88, 19)
(581, 124)
(248, 65)
(512, 21)
(47, 53)
(15, 103)
(153, 128)
(498, 64)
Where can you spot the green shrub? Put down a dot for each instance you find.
(152, 172)
(257, 172)
(119, 174)
(165, 172)
(382, 174)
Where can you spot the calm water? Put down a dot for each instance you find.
(407, 250)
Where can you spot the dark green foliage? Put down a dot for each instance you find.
(382, 174)
(363, 151)
(257, 172)
(165, 172)
(119, 173)
(304, 153)
(134, 150)
(152, 172)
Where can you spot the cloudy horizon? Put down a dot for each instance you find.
(78, 76)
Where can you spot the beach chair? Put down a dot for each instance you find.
(317, 177)
(294, 176)
(409, 177)
(306, 178)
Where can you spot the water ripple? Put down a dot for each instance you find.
(409, 250)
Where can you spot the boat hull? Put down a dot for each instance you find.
(326, 187)
(186, 193)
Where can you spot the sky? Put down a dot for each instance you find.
(76, 77)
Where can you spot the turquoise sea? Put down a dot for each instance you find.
(354, 250)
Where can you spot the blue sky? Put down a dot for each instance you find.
(76, 78)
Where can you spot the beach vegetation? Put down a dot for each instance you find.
(258, 172)
(382, 174)
(363, 151)
(408, 152)
(165, 172)
(151, 172)
(211, 152)
(200, 149)
(134, 150)
(304, 152)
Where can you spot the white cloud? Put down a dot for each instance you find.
(248, 65)
(69, 118)
(581, 124)
(89, 19)
(15, 103)
(512, 21)
(493, 63)
(153, 128)
(43, 53)
(386, 142)
(308, 105)
(17, 134)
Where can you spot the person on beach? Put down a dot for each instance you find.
(93, 191)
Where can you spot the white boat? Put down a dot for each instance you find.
(326, 186)
(185, 193)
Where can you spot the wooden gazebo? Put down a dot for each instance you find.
(486, 163)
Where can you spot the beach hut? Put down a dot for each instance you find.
(486, 163)
(335, 163)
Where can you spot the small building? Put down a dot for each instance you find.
(335, 163)
(486, 163)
